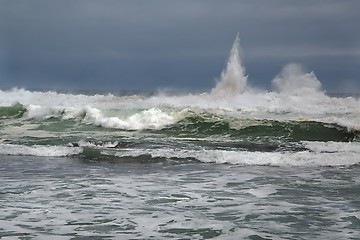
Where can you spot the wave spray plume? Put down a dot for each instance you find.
(293, 80)
(233, 80)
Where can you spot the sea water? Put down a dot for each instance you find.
(231, 163)
(144, 198)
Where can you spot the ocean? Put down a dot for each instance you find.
(231, 163)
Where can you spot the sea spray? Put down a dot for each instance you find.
(293, 80)
(233, 79)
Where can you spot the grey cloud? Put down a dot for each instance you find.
(91, 40)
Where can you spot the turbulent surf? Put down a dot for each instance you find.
(229, 124)
(201, 127)
(231, 163)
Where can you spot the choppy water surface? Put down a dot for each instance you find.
(75, 198)
(231, 163)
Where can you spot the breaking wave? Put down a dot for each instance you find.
(295, 125)
(38, 150)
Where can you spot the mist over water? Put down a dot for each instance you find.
(294, 80)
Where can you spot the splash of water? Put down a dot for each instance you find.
(233, 80)
(293, 80)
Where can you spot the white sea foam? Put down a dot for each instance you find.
(38, 150)
(263, 192)
(280, 159)
(152, 118)
(329, 147)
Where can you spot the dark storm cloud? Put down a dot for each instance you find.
(149, 44)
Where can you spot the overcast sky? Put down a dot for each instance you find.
(183, 44)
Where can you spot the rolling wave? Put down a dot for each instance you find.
(263, 130)
(296, 124)
(16, 110)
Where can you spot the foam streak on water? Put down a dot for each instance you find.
(71, 199)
